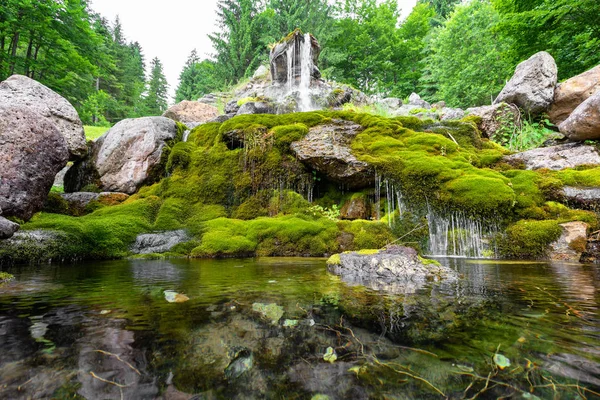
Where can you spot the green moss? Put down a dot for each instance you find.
(529, 239)
(579, 177)
(368, 252)
(5, 277)
(334, 260)
(430, 261)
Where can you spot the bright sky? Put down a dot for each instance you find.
(170, 30)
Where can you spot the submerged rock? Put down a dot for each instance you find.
(572, 92)
(188, 112)
(126, 157)
(22, 92)
(396, 269)
(532, 86)
(161, 242)
(584, 121)
(326, 149)
(272, 312)
(32, 152)
(559, 157)
(571, 244)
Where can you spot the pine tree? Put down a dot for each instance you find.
(196, 79)
(155, 101)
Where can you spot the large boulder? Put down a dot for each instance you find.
(126, 157)
(572, 242)
(32, 152)
(188, 112)
(326, 149)
(559, 157)
(495, 118)
(22, 91)
(532, 86)
(584, 121)
(569, 94)
(395, 269)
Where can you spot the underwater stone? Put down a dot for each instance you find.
(532, 86)
(273, 312)
(559, 157)
(23, 92)
(326, 149)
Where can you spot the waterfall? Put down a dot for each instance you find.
(300, 60)
(455, 234)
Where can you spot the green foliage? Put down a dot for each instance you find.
(466, 62)
(94, 132)
(155, 98)
(196, 79)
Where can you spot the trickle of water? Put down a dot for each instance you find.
(300, 60)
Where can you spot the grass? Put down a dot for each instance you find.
(94, 132)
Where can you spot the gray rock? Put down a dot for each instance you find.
(21, 91)
(416, 100)
(7, 228)
(213, 99)
(559, 157)
(584, 121)
(532, 85)
(33, 246)
(448, 114)
(587, 198)
(32, 151)
(256, 107)
(392, 103)
(571, 244)
(397, 269)
(495, 117)
(260, 72)
(126, 157)
(222, 118)
(161, 242)
(326, 149)
(406, 110)
(232, 107)
(439, 105)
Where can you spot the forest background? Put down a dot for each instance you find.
(461, 52)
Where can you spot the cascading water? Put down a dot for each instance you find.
(300, 59)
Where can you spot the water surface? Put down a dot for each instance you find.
(105, 330)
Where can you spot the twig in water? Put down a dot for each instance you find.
(120, 359)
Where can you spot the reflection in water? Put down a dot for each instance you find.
(105, 330)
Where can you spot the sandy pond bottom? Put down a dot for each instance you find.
(286, 328)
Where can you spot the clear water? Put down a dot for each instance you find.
(106, 331)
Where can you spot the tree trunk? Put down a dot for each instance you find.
(13, 51)
(28, 55)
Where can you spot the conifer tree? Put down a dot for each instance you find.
(155, 100)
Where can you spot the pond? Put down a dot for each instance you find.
(286, 328)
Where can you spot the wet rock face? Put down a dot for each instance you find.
(584, 121)
(326, 149)
(126, 157)
(396, 269)
(532, 85)
(32, 152)
(188, 112)
(23, 92)
(571, 244)
(559, 157)
(572, 92)
(278, 57)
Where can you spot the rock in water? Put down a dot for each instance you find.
(569, 94)
(571, 244)
(396, 269)
(559, 157)
(21, 91)
(584, 121)
(32, 151)
(532, 86)
(126, 157)
(188, 112)
(326, 148)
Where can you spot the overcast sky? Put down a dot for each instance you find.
(170, 29)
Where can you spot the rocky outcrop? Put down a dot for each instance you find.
(532, 85)
(416, 100)
(21, 91)
(569, 94)
(396, 269)
(7, 228)
(355, 208)
(126, 157)
(160, 242)
(326, 149)
(291, 45)
(256, 107)
(496, 117)
(571, 244)
(559, 157)
(392, 103)
(32, 152)
(191, 112)
(584, 121)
